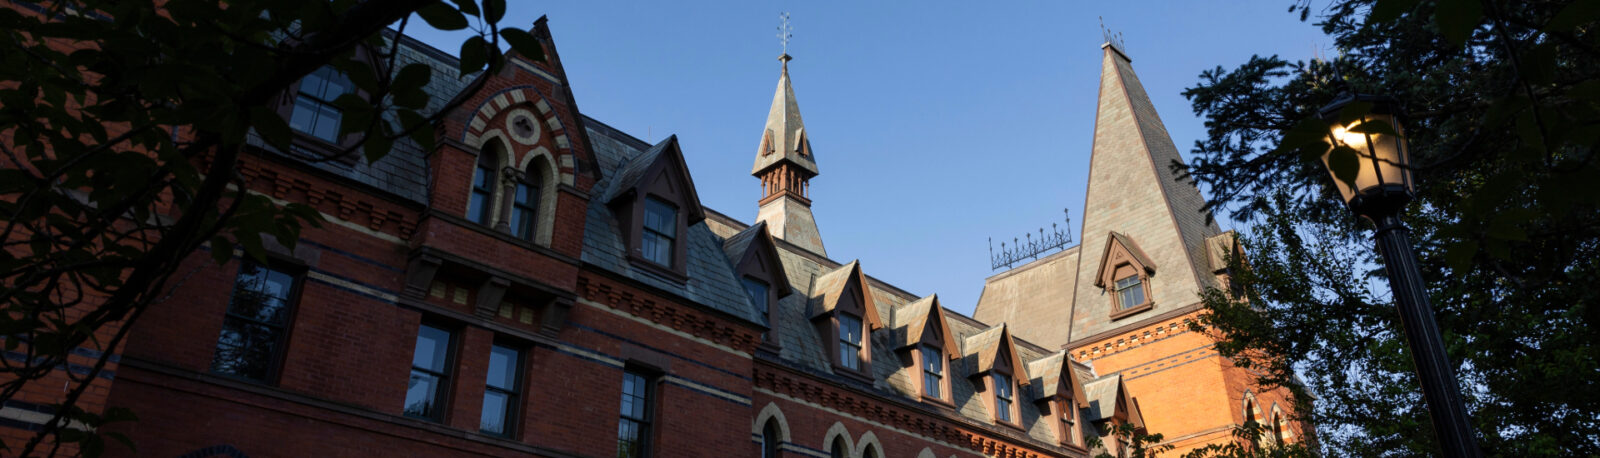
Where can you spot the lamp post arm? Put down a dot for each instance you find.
(1451, 425)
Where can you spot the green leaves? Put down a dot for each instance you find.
(474, 55)
(1388, 10)
(442, 16)
(523, 43)
(1457, 18)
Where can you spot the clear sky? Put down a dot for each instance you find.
(935, 125)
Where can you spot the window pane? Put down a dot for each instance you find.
(432, 343)
(420, 392)
(326, 126)
(248, 343)
(661, 217)
(932, 362)
(757, 290)
(633, 427)
(495, 405)
(503, 368)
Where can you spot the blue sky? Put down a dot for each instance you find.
(936, 125)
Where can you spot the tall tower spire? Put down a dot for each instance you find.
(1135, 198)
(785, 165)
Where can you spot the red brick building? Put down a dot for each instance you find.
(543, 284)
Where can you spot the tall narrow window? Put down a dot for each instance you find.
(838, 450)
(932, 372)
(1002, 397)
(1069, 423)
(757, 290)
(660, 229)
(524, 206)
(633, 431)
(500, 399)
(253, 329)
(430, 374)
(482, 189)
(849, 341)
(314, 112)
(1130, 292)
(770, 439)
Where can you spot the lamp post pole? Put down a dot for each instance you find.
(1439, 388)
(1366, 134)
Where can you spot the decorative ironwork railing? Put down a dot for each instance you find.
(1028, 247)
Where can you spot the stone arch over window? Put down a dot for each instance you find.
(1281, 434)
(926, 453)
(868, 447)
(484, 190)
(772, 412)
(837, 435)
(1252, 413)
(512, 103)
(539, 167)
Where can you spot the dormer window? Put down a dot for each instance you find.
(759, 292)
(849, 341)
(1069, 422)
(932, 372)
(1003, 397)
(314, 113)
(660, 231)
(479, 206)
(1130, 292)
(1125, 273)
(525, 206)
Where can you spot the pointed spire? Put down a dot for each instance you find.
(1134, 193)
(785, 165)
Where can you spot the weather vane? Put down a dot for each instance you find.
(785, 32)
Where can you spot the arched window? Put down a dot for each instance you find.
(770, 439)
(870, 452)
(1277, 429)
(525, 205)
(1250, 421)
(839, 450)
(479, 206)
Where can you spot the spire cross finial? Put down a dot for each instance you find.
(785, 32)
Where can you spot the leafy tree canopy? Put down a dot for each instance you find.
(122, 127)
(1504, 119)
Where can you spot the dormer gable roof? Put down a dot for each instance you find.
(993, 349)
(1109, 399)
(664, 161)
(923, 321)
(844, 282)
(1219, 249)
(1121, 248)
(1057, 377)
(754, 241)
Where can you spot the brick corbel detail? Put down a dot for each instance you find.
(364, 212)
(419, 275)
(669, 314)
(833, 397)
(490, 293)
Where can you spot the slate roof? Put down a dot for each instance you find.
(1034, 298)
(1102, 393)
(404, 171)
(712, 281)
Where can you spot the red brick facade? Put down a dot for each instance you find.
(581, 308)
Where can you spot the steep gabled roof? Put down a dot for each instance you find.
(1108, 398)
(912, 323)
(664, 157)
(755, 238)
(784, 139)
(830, 287)
(1056, 376)
(985, 349)
(1117, 238)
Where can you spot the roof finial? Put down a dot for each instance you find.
(1112, 38)
(785, 32)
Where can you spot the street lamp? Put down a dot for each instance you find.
(1365, 129)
